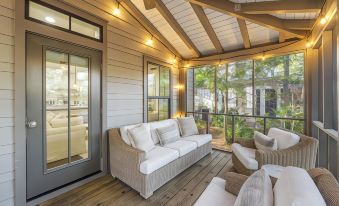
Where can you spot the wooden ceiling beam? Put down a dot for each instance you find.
(244, 33)
(329, 10)
(129, 6)
(265, 20)
(282, 37)
(280, 7)
(161, 7)
(299, 24)
(251, 53)
(149, 4)
(199, 11)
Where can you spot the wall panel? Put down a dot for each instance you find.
(6, 102)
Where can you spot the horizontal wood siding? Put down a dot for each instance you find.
(125, 50)
(7, 102)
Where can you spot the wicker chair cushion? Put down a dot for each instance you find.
(246, 156)
(284, 138)
(327, 185)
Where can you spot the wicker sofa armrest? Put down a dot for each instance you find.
(301, 155)
(122, 156)
(245, 142)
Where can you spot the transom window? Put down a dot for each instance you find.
(46, 14)
(158, 92)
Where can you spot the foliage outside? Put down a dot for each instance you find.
(271, 88)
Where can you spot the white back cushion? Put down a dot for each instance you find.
(187, 126)
(124, 134)
(168, 134)
(141, 138)
(295, 187)
(285, 139)
(160, 124)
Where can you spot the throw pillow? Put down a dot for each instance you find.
(234, 182)
(295, 187)
(284, 138)
(187, 126)
(168, 134)
(263, 142)
(141, 138)
(326, 184)
(256, 191)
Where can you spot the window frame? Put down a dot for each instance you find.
(150, 60)
(70, 16)
(253, 84)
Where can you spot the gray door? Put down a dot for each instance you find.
(63, 113)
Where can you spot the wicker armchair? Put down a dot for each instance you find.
(301, 155)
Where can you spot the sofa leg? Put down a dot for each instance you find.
(146, 196)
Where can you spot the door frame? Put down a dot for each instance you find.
(22, 26)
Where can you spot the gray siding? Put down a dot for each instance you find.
(125, 51)
(7, 102)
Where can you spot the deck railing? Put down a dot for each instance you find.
(261, 123)
(327, 153)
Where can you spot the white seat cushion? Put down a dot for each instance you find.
(246, 156)
(160, 124)
(157, 158)
(200, 139)
(296, 187)
(182, 146)
(284, 138)
(216, 195)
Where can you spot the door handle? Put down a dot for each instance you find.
(32, 124)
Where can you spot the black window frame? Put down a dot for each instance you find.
(70, 16)
(147, 61)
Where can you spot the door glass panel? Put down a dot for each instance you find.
(56, 83)
(164, 82)
(153, 112)
(163, 109)
(79, 82)
(153, 80)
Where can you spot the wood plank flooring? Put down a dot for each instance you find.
(184, 189)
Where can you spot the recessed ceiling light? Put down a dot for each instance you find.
(50, 19)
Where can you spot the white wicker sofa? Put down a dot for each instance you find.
(146, 172)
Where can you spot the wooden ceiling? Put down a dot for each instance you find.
(199, 28)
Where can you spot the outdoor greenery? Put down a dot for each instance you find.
(271, 88)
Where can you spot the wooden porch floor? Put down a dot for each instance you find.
(182, 190)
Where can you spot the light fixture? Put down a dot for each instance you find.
(50, 19)
(116, 11)
(323, 20)
(174, 60)
(149, 42)
(219, 63)
(308, 44)
(263, 57)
